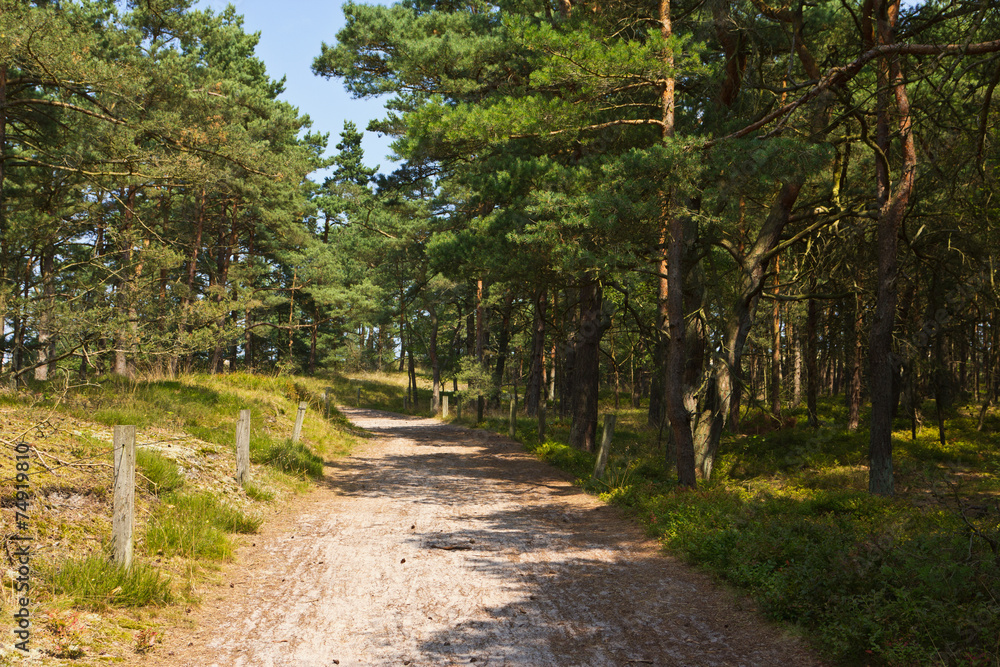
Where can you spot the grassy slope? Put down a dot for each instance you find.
(82, 605)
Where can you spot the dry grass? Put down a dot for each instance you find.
(188, 423)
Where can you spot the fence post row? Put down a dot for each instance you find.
(123, 502)
(602, 456)
(243, 448)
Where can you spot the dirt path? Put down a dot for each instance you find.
(437, 545)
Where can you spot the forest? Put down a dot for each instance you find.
(763, 235)
(710, 206)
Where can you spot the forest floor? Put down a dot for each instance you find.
(436, 545)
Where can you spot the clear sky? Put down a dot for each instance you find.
(291, 33)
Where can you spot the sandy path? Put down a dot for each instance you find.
(436, 545)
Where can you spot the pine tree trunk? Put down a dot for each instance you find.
(185, 329)
(435, 362)
(893, 202)
(402, 330)
(503, 347)
(412, 371)
(586, 369)
(314, 332)
(854, 372)
(776, 347)
(480, 345)
(223, 262)
(125, 337)
(656, 415)
(536, 379)
(3, 209)
(677, 411)
(46, 340)
(812, 366)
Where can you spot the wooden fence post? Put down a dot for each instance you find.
(541, 421)
(243, 448)
(359, 397)
(326, 402)
(299, 418)
(444, 406)
(602, 456)
(512, 432)
(458, 408)
(123, 502)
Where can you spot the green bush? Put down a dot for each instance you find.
(871, 578)
(568, 458)
(788, 520)
(95, 582)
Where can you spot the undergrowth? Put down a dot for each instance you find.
(286, 456)
(909, 580)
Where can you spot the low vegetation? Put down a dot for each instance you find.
(908, 580)
(912, 579)
(189, 508)
(94, 582)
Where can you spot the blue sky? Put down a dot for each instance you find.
(291, 33)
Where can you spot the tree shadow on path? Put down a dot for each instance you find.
(576, 583)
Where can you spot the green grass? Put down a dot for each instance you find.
(196, 526)
(255, 492)
(96, 583)
(207, 407)
(296, 459)
(160, 474)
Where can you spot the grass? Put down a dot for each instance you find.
(94, 582)
(258, 493)
(188, 504)
(161, 474)
(787, 518)
(289, 457)
(196, 526)
(206, 407)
